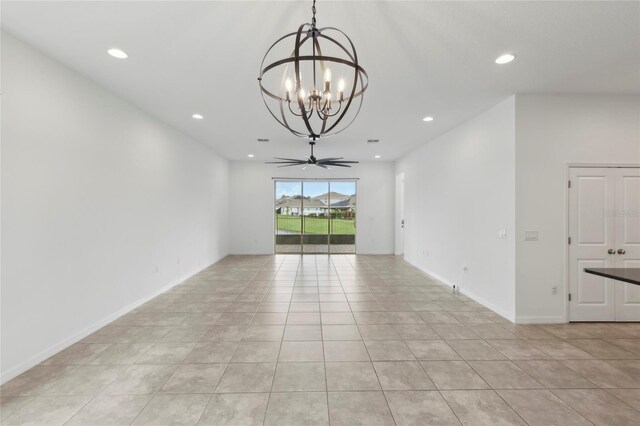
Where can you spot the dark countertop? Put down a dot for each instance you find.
(628, 275)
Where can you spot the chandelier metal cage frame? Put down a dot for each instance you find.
(319, 101)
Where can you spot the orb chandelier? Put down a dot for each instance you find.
(298, 89)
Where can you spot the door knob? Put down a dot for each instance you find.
(621, 251)
(611, 251)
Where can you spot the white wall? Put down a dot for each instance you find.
(96, 195)
(459, 192)
(252, 201)
(507, 168)
(552, 131)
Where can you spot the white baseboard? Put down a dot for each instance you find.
(541, 320)
(489, 305)
(469, 294)
(47, 353)
(373, 253)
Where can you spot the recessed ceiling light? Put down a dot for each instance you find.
(428, 118)
(505, 59)
(373, 140)
(376, 156)
(250, 155)
(197, 116)
(263, 140)
(117, 53)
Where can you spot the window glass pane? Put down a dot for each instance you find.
(288, 217)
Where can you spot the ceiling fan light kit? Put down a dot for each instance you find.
(298, 87)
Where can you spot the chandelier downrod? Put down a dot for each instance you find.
(313, 19)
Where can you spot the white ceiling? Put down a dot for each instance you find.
(423, 58)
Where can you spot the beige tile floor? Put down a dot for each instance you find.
(345, 340)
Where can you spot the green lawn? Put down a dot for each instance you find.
(315, 225)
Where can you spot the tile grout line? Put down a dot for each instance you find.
(384, 395)
(275, 370)
(324, 358)
(225, 368)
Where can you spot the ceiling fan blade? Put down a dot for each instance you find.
(322, 160)
(325, 163)
(337, 164)
(283, 163)
(286, 162)
(288, 159)
(288, 165)
(341, 161)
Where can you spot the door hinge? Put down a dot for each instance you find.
(569, 297)
(569, 184)
(569, 240)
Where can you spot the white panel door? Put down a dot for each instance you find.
(627, 241)
(592, 234)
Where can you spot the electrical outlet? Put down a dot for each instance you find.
(157, 269)
(554, 290)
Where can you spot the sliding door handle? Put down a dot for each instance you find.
(621, 251)
(611, 251)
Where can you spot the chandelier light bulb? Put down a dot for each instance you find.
(288, 85)
(301, 93)
(341, 85)
(327, 74)
(327, 80)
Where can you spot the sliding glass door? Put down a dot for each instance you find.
(342, 214)
(315, 216)
(288, 213)
(315, 222)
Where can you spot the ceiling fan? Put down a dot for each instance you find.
(325, 163)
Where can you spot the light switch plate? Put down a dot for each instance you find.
(531, 235)
(502, 234)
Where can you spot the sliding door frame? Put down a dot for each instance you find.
(329, 219)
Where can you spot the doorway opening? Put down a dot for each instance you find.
(315, 216)
(399, 251)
